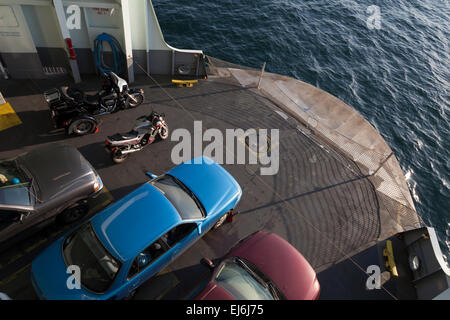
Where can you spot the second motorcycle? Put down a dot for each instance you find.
(146, 130)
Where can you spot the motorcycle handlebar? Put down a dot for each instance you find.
(151, 116)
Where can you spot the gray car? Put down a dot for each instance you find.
(51, 182)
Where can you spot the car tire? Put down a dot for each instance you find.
(73, 213)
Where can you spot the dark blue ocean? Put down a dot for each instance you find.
(395, 73)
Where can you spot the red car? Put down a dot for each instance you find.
(263, 266)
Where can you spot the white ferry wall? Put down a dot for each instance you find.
(17, 49)
(32, 37)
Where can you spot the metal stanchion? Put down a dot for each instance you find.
(3, 71)
(262, 72)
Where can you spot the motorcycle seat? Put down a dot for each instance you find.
(123, 136)
(72, 94)
(92, 99)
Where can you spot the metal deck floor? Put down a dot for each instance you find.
(319, 200)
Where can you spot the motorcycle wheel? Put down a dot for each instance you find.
(139, 99)
(118, 157)
(164, 132)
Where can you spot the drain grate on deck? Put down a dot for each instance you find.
(49, 71)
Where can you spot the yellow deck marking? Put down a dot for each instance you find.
(11, 260)
(34, 246)
(174, 281)
(16, 257)
(14, 275)
(8, 118)
(184, 83)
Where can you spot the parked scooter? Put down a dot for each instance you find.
(146, 130)
(74, 110)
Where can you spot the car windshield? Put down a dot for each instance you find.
(15, 187)
(98, 267)
(242, 283)
(181, 197)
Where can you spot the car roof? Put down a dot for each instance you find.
(131, 224)
(56, 168)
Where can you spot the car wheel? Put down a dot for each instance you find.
(221, 221)
(73, 213)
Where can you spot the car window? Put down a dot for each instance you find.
(178, 233)
(147, 256)
(8, 171)
(98, 267)
(242, 283)
(14, 185)
(186, 203)
(16, 196)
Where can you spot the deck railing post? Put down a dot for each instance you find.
(60, 15)
(261, 75)
(126, 21)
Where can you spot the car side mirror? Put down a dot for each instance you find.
(207, 263)
(151, 175)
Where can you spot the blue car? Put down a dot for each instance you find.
(133, 239)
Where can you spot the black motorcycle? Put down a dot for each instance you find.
(146, 130)
(76, 111)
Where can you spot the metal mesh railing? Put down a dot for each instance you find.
(213, 63)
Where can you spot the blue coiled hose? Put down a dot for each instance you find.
(118, 55)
